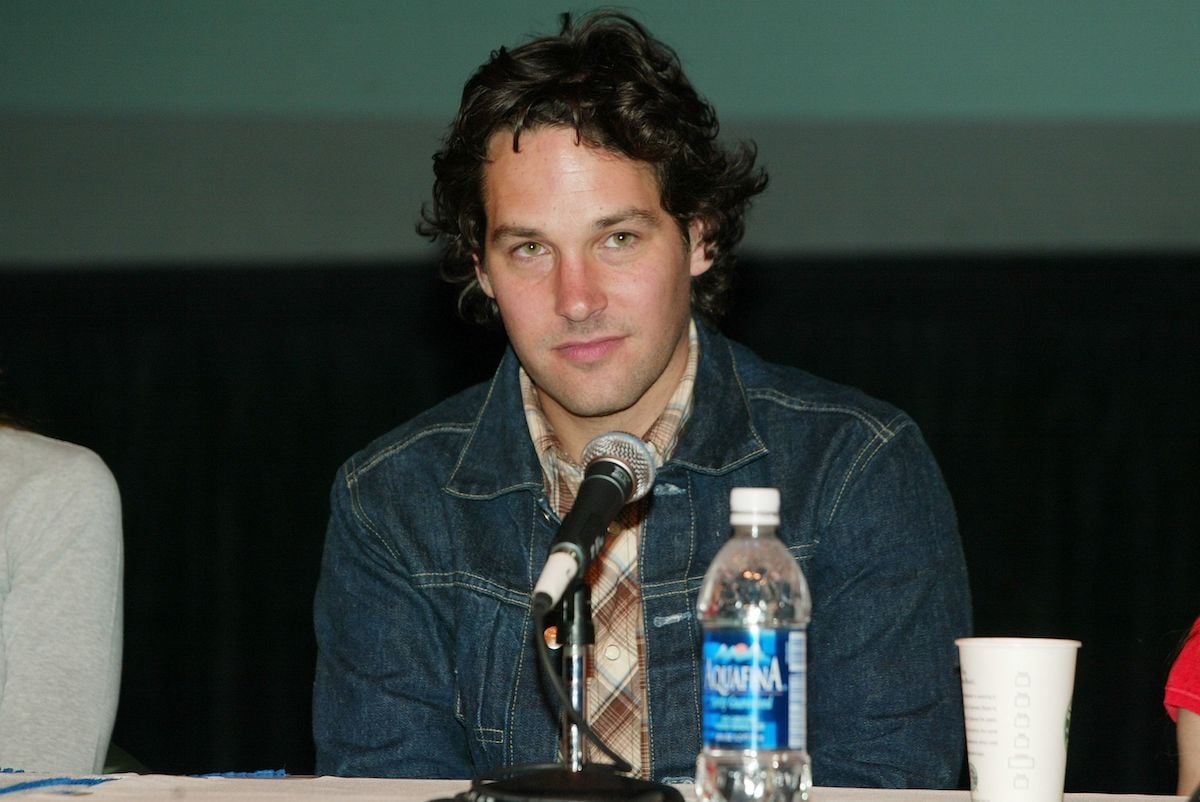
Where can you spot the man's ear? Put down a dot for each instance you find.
(699, 261)
(481, 276)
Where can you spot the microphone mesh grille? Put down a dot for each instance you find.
(630, 452)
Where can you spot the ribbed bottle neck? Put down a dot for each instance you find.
(755, 530)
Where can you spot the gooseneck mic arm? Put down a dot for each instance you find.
(605, 488)
(620, 469)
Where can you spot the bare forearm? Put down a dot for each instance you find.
(1187, 734)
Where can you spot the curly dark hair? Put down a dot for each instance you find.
(621, 90)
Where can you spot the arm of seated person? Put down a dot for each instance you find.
(890, 596)
(384, 698)
(1187, 735)
(60, 645)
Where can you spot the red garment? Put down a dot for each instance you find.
(1183, 683)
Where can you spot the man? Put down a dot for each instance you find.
(582, 197)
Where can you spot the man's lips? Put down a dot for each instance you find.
(586, 351)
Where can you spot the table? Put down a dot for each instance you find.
(52, 788)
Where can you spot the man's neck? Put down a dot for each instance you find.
(574, 432)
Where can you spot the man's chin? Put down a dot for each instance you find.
(589, 406)
(597, 411)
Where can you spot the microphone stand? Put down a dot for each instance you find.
(576, 780)
(577, 636)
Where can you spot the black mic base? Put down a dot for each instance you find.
(594, 783)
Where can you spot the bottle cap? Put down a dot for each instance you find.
(754, 506)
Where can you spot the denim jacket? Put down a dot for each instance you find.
(426, 663)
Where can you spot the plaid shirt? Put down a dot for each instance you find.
(617, 677)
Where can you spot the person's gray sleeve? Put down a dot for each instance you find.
(62, 618)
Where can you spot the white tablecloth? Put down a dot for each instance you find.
(299, 789)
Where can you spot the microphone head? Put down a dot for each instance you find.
(627, 451)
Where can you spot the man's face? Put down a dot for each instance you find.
(591, 275)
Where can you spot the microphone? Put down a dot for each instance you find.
(619, 469)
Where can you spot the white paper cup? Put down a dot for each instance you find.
(1017, 706)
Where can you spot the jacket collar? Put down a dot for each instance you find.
(720, 434)
(499, 457)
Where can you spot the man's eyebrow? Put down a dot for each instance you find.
(626, 215)
(632, 214)
(515, 232)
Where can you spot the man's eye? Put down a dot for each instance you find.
(529, 249)
(621, 239)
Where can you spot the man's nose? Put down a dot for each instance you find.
(580, 291)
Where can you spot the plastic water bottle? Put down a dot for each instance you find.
(754, 608)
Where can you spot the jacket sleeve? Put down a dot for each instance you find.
(890, 596)
(384, 698)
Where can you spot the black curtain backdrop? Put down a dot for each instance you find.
(1059, 395)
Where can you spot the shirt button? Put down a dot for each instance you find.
(612, 652)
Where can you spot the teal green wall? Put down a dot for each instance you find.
(771, 59)
(277, 131)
